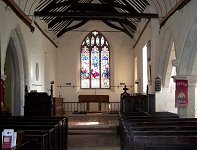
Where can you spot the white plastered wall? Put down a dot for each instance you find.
(36, 47)
(176, 29)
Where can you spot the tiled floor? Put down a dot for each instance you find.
(93, 132)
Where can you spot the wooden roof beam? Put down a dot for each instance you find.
(178, 6)
(95, 15)
(19, 13)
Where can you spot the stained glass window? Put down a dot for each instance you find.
(95, 61)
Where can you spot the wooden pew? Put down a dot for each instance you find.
(135, 127)
(61, 129)
(38, 127)
(161, 129)
(122, 119)
(139, 139)
(22, 146)
(167, 147)
(38, 131)
(61, 121)
(142, 116)
(41, 138)
(155, 130)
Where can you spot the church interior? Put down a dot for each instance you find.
(98, 74)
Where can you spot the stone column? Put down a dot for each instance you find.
(190, 111)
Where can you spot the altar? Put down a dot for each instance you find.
(98, 99)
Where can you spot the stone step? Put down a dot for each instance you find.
(106, 127)
(91, 132)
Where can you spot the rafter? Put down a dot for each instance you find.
(85, 7)
(125, 22)
(178, 6)
(125, 29)
(120, 6)
(71, 28)
(91, 7)
(118, 28)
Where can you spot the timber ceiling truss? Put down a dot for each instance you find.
(65, 15)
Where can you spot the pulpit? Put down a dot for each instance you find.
(38, 104)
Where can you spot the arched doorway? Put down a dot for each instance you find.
(16, 71)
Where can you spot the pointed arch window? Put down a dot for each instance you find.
(95, 61)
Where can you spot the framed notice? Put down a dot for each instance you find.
(181, 94)
(157, 84)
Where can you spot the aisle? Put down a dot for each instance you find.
(93, 132)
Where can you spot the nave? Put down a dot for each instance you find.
(94, 131)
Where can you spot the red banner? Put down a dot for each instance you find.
(181, 95)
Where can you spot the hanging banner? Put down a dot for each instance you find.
(181, 95)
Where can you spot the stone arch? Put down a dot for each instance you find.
(168, 54)
(169, 67)
(165, 99)
(188, 65)
(18, 56)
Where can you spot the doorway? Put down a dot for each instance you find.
(15, 69)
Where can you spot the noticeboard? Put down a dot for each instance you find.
(157, 84)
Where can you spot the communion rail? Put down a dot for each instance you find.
(82, 107)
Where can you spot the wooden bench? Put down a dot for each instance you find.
(163, 131)
(139, 139)
(46, 132)
(144, 116)
(142, 134)
(22, 146)
(167, 147)
(93, 99)
(38, 131)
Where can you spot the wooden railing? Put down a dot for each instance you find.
(77, 107)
